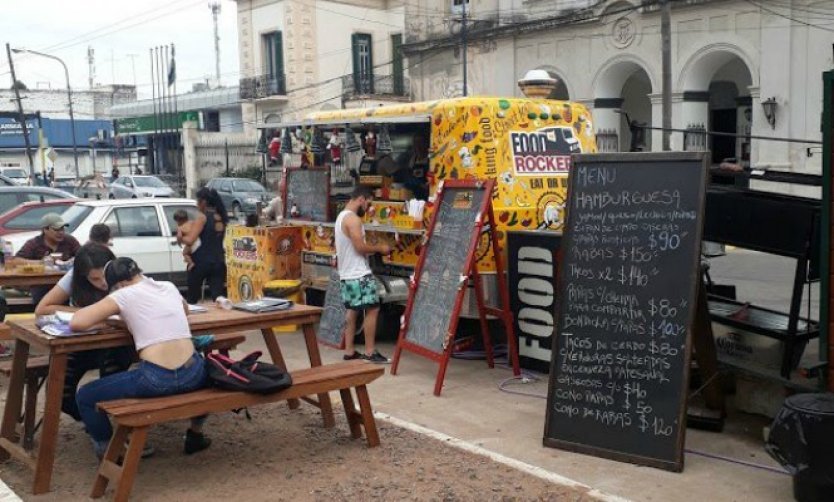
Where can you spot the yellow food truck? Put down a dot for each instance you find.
(405, 151)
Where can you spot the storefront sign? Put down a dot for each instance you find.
(543, 152)
(151, 123)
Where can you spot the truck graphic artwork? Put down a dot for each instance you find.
(245, 248)
(542, 152)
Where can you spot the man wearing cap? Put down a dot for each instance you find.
(53, 239)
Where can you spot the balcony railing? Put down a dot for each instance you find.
(263, 86)
(375, 85)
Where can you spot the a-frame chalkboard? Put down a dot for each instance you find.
(331, 330)
(462, 209)
(626, 300)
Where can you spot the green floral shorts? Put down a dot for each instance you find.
(359, 294)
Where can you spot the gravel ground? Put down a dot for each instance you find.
(287, 455)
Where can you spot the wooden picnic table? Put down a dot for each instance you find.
(18, 280)
(215, 321)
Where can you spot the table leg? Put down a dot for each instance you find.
(51, 420)
(315, 360)
(14, 396)
(275, 352)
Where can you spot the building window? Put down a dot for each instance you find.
(457, 6)
(273, 61)
(363, 63)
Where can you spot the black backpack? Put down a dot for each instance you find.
(247, 375)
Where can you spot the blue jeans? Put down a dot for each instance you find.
(148, 380)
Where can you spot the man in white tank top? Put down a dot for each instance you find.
(357, 283)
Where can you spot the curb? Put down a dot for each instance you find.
(497, 457)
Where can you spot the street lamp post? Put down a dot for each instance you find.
(69, 97)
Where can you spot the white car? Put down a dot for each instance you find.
(18, 175)
(133, 186)
(143, 229)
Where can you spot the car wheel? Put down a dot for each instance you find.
(236, 211)
(112, 196)
(133, 197)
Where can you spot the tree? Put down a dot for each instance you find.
(19, 85)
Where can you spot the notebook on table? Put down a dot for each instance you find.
(265, 304)
(58, 325)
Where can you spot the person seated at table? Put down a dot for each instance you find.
(100, 233)
(155, 315)
(53, 239)
(82, 286)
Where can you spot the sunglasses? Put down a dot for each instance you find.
(59, 229)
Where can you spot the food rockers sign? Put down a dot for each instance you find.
(543, 152)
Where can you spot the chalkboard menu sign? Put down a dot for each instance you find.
(332, 323)
(308, 190)
(626, 299)
(444, 266)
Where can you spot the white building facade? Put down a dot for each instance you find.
(302, 56)
(728, 58)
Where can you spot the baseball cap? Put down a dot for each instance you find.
(53, 221)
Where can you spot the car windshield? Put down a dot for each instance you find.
(75, 215)
(149, 182)
(14, 173)
(248, 186)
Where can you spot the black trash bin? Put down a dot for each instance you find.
(802, 440)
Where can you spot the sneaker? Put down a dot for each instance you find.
(195, 441)
(377, 358)
(355, 355)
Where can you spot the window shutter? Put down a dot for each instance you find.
(279, 62)
(354, 45)
(397, 66)
(370, 63)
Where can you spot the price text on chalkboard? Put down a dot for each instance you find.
(309, 191)
(444, 265)
(625, 305)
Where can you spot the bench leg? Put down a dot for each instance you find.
(353, 417)
(109, 468)
(29, 410)
(131, 464)
(277, 358)
(367, 416)
(315, 360)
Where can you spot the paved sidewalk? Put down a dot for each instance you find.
(473, 409)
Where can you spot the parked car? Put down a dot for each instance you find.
(14, 196)
(130, 187)
(27, 216)
(142, 229)
(18, 175)
(5, 181)
(240, 195)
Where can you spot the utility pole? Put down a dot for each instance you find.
(133, 65)
(91, 66)
(215, 12)
(464, 45)
(666, 43)
(21, 115)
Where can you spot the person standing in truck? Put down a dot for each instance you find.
(356, 280)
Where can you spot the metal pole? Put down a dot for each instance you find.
(69, 98)
(163, 125)
(464, 43)
(22, 116)
(666, 41)
(177, 123)
(227, 157)
(151, 167)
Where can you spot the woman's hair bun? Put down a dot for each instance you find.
(120, 269)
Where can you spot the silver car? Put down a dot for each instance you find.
(133, 187)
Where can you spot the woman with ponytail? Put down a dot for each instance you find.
(209, 227)
(155, 315)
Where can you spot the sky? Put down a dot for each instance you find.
(116, 30)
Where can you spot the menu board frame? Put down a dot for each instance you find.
(659, 160)
(483, 219)
(288, 174)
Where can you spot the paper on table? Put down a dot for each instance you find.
(196, 309)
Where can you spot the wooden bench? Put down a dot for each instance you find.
(37, 368)
(133, 417)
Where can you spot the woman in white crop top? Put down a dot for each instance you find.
(155, 315)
